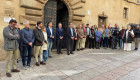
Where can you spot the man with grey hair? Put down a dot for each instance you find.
(84, 37)
(137, 37)
(59, 38)
(27, 40)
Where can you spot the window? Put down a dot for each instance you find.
(125, 13)
(138, 1)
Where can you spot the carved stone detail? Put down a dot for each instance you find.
(34, 10)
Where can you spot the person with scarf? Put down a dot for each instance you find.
(128, 38)
(98, 35)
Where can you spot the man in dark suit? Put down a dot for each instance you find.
(50, 33)
(88, 30)
(59, 37)
(70, 39)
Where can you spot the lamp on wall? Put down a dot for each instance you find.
(89, 13)
(103, 13)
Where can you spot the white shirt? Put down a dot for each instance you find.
(87, 31)
(127, 34)
(132, 33)
(71, 31)
(50, 30)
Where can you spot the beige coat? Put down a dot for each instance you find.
(80, 33)
(46, 38)
(85, 31)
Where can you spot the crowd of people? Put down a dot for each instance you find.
(106, 36)
(41, 38)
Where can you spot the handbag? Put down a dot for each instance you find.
(99, 40)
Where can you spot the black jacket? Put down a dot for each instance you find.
(121, 34)
(92, 35)
(39, 37)
(115, 34)
(129, 39)
(137, 33)
(69, 34)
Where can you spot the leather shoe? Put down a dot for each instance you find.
(71, 53)
(37, 64)
(42, 63)
(50, 56)
(15, 70)
(8, 75)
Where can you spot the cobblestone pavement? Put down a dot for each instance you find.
(90, 64)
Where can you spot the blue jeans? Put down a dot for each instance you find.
(24, 53)
(45, 55)
(106, 41)
(49, 48)
(121, 42)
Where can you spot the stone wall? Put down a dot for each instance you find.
(113, 9)
(8, 8)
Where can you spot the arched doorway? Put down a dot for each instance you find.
(56, 11)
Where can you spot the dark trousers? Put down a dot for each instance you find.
(59, 43)
(24, 53)
(106, 41)
(95, 42)
(20, 49)
(87, 42)
(70, 43)
(97, 45)
(102, 42)
(74, 45)
(110, 42)
(92, 43)
(114, 42)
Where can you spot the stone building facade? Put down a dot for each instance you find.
(93, 12)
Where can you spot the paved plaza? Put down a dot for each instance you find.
(90, 64)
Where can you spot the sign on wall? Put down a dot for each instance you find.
(7, 19)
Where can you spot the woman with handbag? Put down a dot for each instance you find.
(98, 35)
(128, 38)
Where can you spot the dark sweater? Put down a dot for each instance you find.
(115, 34)
(137, 33)
(27, 36)
(39, 37)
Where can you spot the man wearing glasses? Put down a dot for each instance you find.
(11, 37)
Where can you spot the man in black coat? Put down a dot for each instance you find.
(70, 39)
(115, 36)
(137, 36)
(59, 38)
(39, 41)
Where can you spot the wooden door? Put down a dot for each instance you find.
(101, 21)
(56, 11)
(50, 12)
(63, 17)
